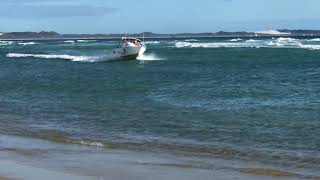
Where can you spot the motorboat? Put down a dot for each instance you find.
(130, 48)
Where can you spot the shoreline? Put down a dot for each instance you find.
(37, 158)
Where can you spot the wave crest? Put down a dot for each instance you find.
(314, 40)
(27, 43)
(236, 40)
(5, 43)
(254, 43)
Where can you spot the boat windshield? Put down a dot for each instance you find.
(132, 40)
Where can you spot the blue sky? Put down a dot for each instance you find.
(162, 16)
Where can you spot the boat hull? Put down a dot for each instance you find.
(129, 52)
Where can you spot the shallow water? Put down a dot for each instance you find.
(256, 100)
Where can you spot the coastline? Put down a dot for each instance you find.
(28, 158)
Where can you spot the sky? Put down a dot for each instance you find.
(160, 16)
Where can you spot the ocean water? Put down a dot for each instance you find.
(249, 100)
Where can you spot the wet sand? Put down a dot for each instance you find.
(3, 178)
(32, 159)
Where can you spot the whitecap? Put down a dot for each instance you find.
(213, 45)
(27, 43)
(5, 43)
(271, 43)
(69, 41)
(286, 40)
(191, 40)
(236, 40)
(152, 42)
(251, 41)
(84, 41)
(183, 44)
(311, 47)
(314, 40)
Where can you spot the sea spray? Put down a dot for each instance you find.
(148, 57)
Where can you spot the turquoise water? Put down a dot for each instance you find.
(255, 100)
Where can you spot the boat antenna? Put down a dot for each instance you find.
(143, 37)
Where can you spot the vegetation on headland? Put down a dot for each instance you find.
(55, 35)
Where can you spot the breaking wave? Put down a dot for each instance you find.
(314, 40)
(251, 40)
(211, 45)
(4, 43)
(152, 42)
(27, 43)
(191, 40)
(236, 40)
(313, 47)
(252, 43)
(69, 41)
(84, 41)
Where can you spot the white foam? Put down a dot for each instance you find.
(48, 56)
(107, 57)
(286, 39)
(81, 40)
(191, 40)
(236, 40)
(314, 40)
(87, 143)
(5, 43)
(152, 42)
(212, 45)
(27, 43)
(251, 41)
(69, 41)
(312, 47)
(287, 42)
(148, 57)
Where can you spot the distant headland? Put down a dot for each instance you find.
(46, 35)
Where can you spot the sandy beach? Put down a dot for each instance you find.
(29, 159)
